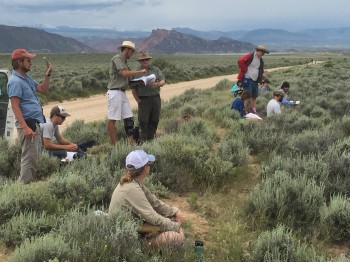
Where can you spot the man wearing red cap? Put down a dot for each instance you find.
(27, 109)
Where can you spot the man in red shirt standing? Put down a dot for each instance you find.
(251, 74)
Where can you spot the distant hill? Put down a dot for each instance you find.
(37, 40)
(213, 35)
(163, 41)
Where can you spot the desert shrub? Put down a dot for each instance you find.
(311, 141)
(102, 238)
(263, 137)
(79, 131)
(188, 110)
(198, 128)
(310, 166)
(344, 125)
(10, 158)
(335, 218)
(44, 248)
(280, 245)
(282, 199)
(27, 225)
(47, 165)
(338, 159)
(16, 197)
(233, 149)
(184, 162)
(223, 85)
(84, 181)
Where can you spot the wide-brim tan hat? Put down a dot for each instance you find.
(144, 55)
(262, 48)
(128, 44)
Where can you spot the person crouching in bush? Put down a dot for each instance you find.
(162, 223)
(238, 103)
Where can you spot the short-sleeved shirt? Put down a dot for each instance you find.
(24, 87)
(117, 64)
(149, 90)
(273, 107)
(48, 130)
(253, 68)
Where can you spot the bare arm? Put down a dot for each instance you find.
(44, 86)
(15, 101)
(129, 73)
(66, 145)
(136, 96)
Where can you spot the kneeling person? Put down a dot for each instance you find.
(133, 194)
(50, 129)
(274, 107)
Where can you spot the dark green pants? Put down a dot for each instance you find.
(149, 113)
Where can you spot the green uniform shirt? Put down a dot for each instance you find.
(117, 65)
(149, 90)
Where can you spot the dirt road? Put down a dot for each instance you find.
(95, 107)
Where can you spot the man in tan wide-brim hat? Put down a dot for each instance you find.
(148, 98)
(118, 104)
(251, 74)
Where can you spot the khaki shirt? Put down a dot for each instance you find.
(144, 204)
(149, 90)
(117, 64)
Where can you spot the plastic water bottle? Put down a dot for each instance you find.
(199, 250)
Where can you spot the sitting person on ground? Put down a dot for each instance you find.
(133, 194)
(274, 107)
(285, 88)
(265, 88)
(237, 89)
(50, 129)
(238, 103)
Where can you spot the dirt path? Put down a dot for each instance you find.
(95, 107)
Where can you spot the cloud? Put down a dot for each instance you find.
(63, 5)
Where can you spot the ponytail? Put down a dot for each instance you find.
(130, 175)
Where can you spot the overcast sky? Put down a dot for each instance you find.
(204, 15)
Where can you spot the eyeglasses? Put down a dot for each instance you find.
(143, 60)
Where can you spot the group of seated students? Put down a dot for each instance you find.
(280, 97)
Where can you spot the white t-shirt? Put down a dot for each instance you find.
(253, 68)
(273, 107)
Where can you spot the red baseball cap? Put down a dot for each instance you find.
(19, 53)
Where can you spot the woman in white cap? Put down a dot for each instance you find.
(132, 193)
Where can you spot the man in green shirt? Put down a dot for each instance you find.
(148, 98)
(118, 104)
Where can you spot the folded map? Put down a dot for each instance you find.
(143, 80)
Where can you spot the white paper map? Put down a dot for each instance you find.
(145, 79)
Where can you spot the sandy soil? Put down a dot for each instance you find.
(95, 107)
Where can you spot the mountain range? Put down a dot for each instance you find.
(38, 40)
(177, 40)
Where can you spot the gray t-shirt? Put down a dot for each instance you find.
(48, 130)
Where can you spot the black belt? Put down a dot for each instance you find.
(123, 90)
(148, 96)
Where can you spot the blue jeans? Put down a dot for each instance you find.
(251, 86)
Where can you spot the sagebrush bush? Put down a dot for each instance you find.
(10, 159)
(84, 181)
(27, 225)
(335, 218)
(45, 248)
(233, 149)
(283, 199)
(102, 238)
(80, 131)
(16, 197)
(185, 162)
(47, 165)
(280, 245)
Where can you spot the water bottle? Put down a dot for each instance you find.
(199, 250)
